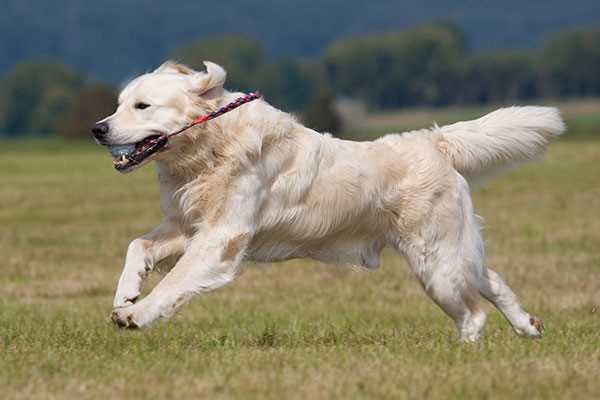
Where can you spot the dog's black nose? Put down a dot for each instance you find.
(100, 130)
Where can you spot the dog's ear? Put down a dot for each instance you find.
(210, 82)
(176, 68)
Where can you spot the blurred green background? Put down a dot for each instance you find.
(332, 62)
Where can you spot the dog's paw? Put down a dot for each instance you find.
(533, 329)
(124, 318)
(538, 325)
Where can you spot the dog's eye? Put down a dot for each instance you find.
(141, 106)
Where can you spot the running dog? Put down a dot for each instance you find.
(254, 184)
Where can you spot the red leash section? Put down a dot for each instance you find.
(225, 109)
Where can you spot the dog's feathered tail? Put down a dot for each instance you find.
(497, 140)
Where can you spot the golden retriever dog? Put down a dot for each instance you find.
(255, 184)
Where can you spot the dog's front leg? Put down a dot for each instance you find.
(142, 255)
(210, 262)
(211, 259)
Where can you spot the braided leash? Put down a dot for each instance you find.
(159, 143)
(225, 109)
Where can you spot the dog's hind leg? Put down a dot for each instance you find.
(495, 290)
(460, 302)
(446, 255)
(442, 275)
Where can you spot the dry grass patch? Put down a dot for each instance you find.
(295, 330)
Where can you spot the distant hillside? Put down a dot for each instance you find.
(112, 39)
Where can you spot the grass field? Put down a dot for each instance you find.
(297, 330)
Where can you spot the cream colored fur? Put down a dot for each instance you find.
(256, 185)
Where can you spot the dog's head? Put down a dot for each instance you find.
(153, 105)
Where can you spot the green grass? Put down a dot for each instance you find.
(297, 330)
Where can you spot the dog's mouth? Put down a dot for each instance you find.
(127, 157)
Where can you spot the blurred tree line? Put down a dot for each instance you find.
(431, 66)
(426, 66)
(49, 98)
